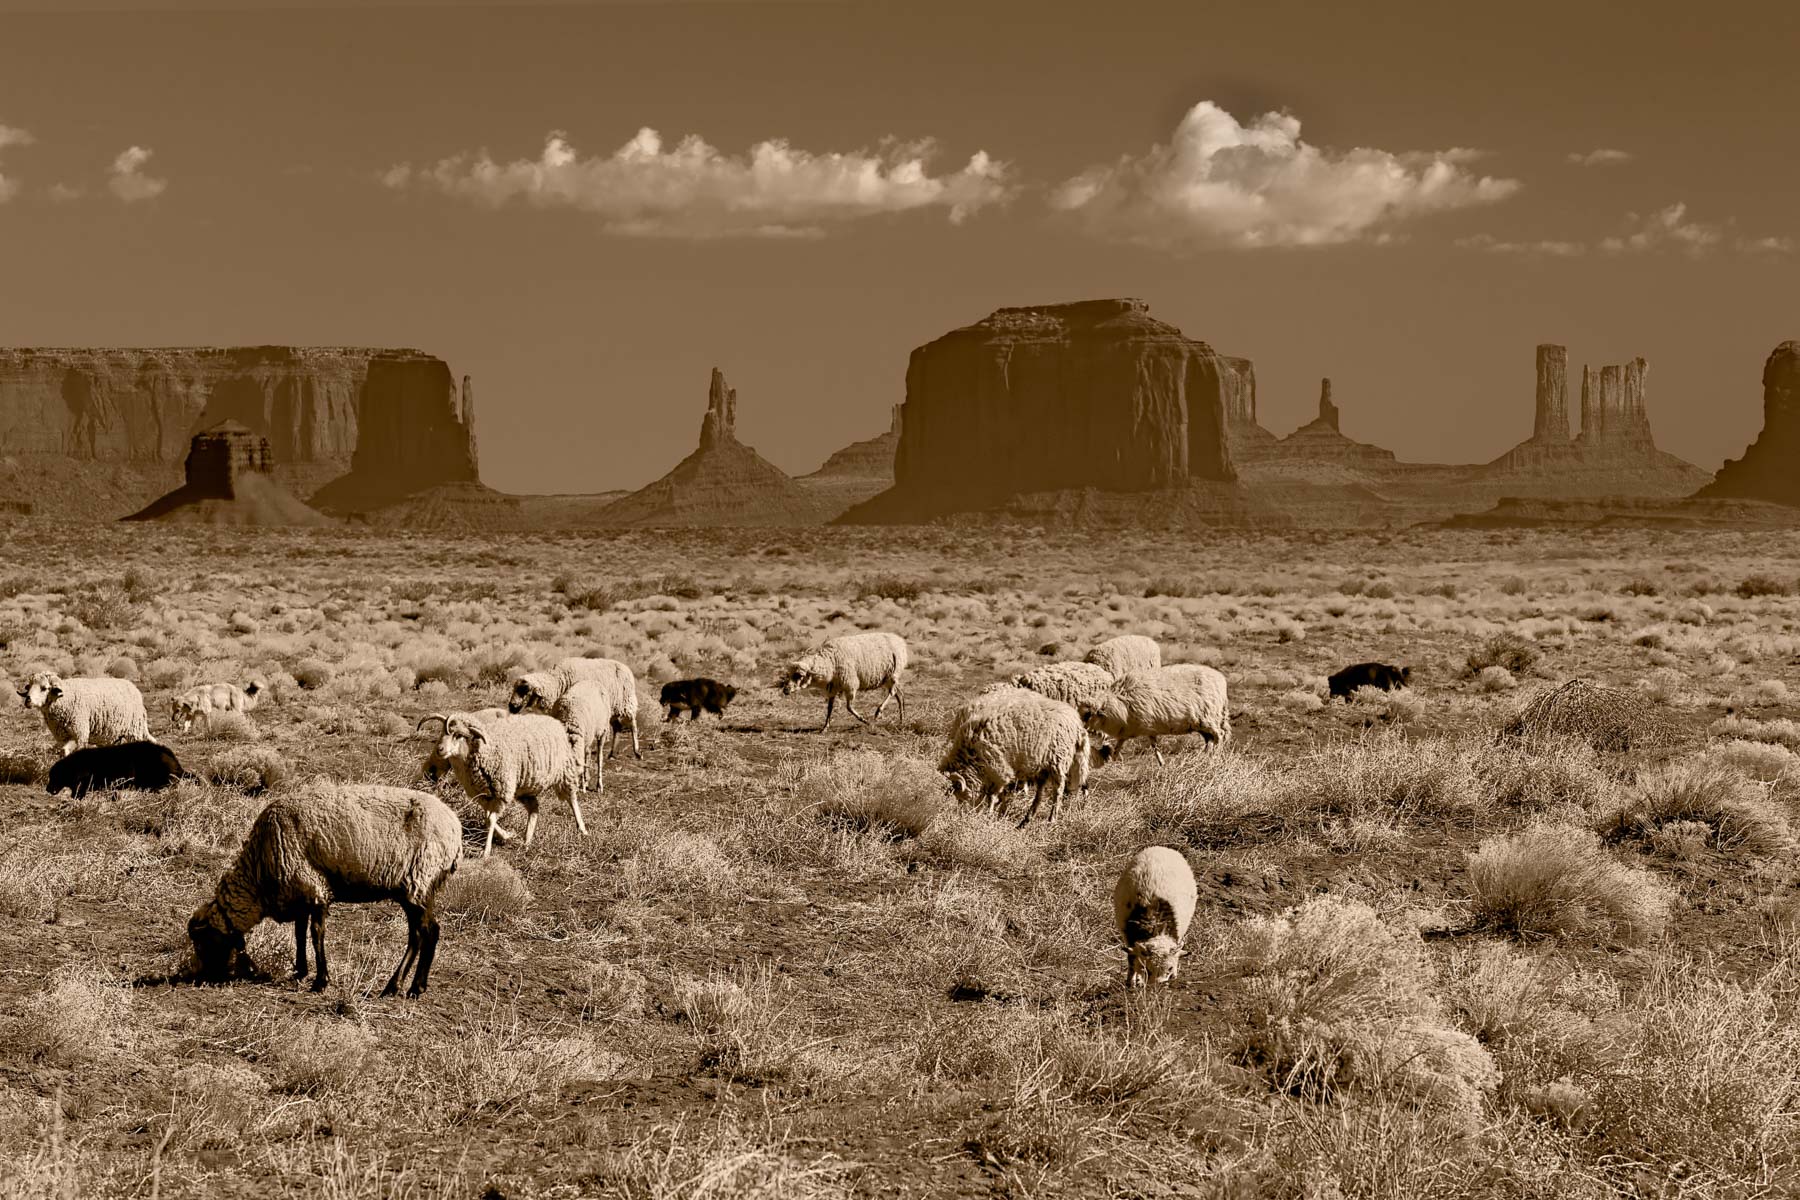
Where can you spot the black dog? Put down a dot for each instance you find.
(146, 766)
(1368, 674)
(697, 694)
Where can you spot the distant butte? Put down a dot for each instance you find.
(1770, 468)
(229, 482)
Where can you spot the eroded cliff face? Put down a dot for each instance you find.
(1770, 468)
(388, 414)
(1092, 394)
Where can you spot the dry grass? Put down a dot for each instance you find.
(789, 965)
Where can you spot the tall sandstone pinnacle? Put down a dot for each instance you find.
(1328, 412)
(1094, 394)
(723, 482)
(1770, 468)
(1613, 417)
(1551, 419)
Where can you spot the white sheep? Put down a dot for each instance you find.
(521, 758)
(1165, 702)
(1013, 735)
(87, 712)
(357, 843)
(1075, 683)
(850, 664)
(210, 698)
(1126, 653)
(1153, 903)
(538, 690)
(586, 712)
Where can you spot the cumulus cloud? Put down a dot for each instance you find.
(1668, 230)
(1603, 157)
(11, 136)
(697, 191)
(1493, 245)
(1220, 183)
(64, 192)
(127, 180)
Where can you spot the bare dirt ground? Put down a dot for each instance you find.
(1425, 963)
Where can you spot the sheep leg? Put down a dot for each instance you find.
(893, 686)
(830, 703)
(1160, 761)
(300, 946)
(636, 751)
(323, 976)
(575, 803)
(427, 952)
(1056, 795)
(414, 940)
(1036, 796)
(493, 828)
(530, 826)
(850, 703)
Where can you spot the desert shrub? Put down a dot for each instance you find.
(1754, 586)
(1511, 651)
(20, 769)
(441, 665)
(316, 1055)
(139, 585)
(1171, 585)
(250, 769)
(1779, 732)
(1335, 999)
(890, 587)
(1563, 773)
(1639, 586)
(1300, 700)
(485, 889)
(745, 1028)
(1559, 881)
(228, 727)
(16, 585)
(164, 673)
(313, 673)
(1732, 812)
(1606, 718)
(1496, 679)
(103, 608)
(78, 1016)
(501, 664)
(1514, 585)
(898, 797)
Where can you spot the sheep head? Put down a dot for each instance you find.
(535, 690)
(1107, 716)
(805, 672)
(1156, 960)
(218, 948)
(41, 689)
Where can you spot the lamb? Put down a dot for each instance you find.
(1165, 702)
(357, 843)
(436, 766)
(87, 712)
(520, 758)
(1367, 674)
(1014, 735)
(586, 712)
(1127, 653)
(540, 689)
(210, 698)
(1075, 683)
(146, 766)
(847, 665)
(1153, 903)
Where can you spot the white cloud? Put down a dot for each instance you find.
(1221, 183)
(127, 179)
(1603, 157)
(11, 136)
(63, 192)
(1493, 245)
(694, 190)
(1667, 228)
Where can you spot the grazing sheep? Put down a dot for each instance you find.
(436, 766)
(850, 664)
(1075, 683)
(586, 712)
(697, 694)
(210, 698)
(1014, 735)
(520, 758)
(1165, 702)
(146, 766)
(1367, 674)
(357, 843)
(540, 689)
(1126, 653)
(87, 712)
(1153, 903)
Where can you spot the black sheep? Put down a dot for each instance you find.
(1368, 674)
(697, 694)
(146, 766)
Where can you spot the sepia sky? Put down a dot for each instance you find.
(587, 206)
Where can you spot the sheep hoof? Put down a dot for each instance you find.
(390, 990)
(320, 983)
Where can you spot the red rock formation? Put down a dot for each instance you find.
(1320, 441)
(324, 411)
(723, 482)
(858, 471)
(1551, 419)
(1613, 419)
(229, 482)
(1247, 440)
(1770, 468)
(1092, 394)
